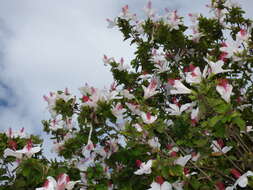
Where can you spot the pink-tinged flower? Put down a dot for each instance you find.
(196, 34)
(194, 17)
(125, 14)
(179, 87)
(194, 116)
(118, 110)
(182, 161)
(15, 134)
(160, 185)
(224, 89)
(230, 49)
(148, 118)
(121, 66)
(194, 76)
(151, 89)
(145, 168)
(242, 180)
(149, 10)
(173, 20)
(28, 151)
(63, 182)
(219, 148)
(107, 60)
(50, 184)
(56, 124)
(53, 97)
(216, 67)
(134, 108)
(176, 109)
(242, 35)
(111, 23)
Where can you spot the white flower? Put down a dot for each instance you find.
(138, 127)
(178, 185)
(134, 108)
(151, 89)
(164, 186)
(194, 115)
(224, 89)
(145, 168)
(121, 66)
(127, 94)
(179, 87)
(182, 161)
(148, 10)
(196, 33)
(125, 14)
(63, 182)
(231, 48)
(15, 134)
(176, 110)
(242, 35)
(28, 151)
(216, 67)
(173, 20)
(242, 181)
(219, 149)
(107, 61)
(194, 76)
(111, 23)
(154, 143)
(148, 118)
(118, 110)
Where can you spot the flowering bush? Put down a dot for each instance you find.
(179, 116)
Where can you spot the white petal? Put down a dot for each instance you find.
(242, 181)
(166, 186)
(182, 161)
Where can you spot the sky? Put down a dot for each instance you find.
(48, 45)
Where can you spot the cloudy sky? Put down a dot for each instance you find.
(47, 45)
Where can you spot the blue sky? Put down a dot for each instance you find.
(48, 45)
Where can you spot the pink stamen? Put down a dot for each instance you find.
(138, 163)
(171, 82)
(236, 173)
(46, 184)
(159, 180)
(148, 115)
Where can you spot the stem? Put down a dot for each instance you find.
(195, 165)
(237, 167)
